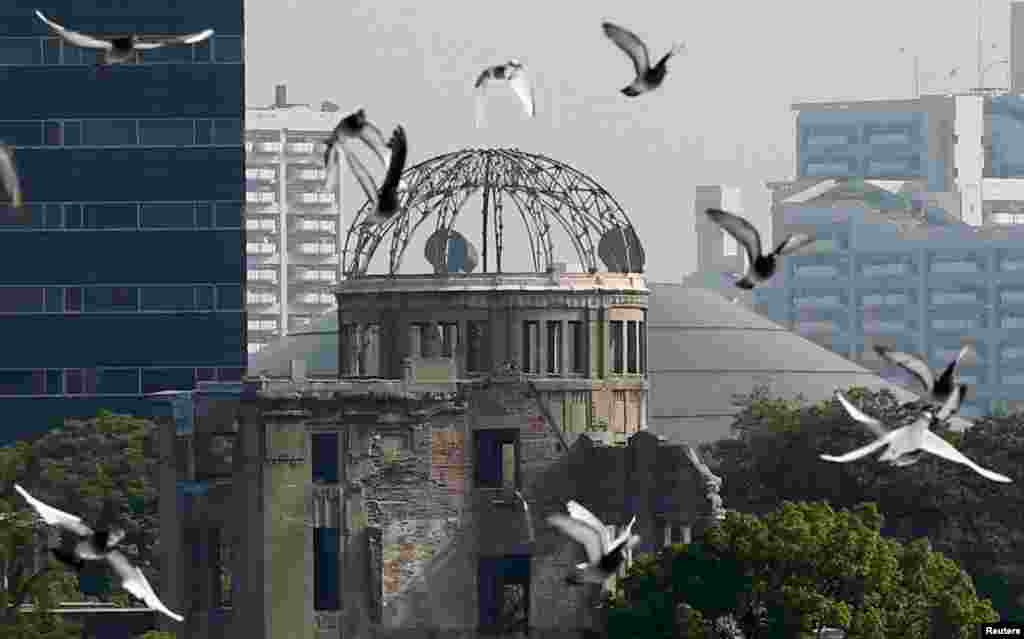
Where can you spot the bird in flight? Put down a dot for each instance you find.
(121, 49)
(354, 126)
(648, 78)
(512, 73)
(760, 266)
(95, 545)
(913, 438)
(604, 554)
(938, 388)
(9, 181)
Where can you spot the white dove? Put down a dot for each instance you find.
(97, 545)
(121, 49)
(912, 438)
(604, 554)
(512, 73)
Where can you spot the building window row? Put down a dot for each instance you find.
(262, 324)
(128, 216)
(122, 132)
(260, 173)
(560, 350)
(49, 51)
(261, 197)
(112, 381)
(316, 275)
(261, 224)
(30, 300)
(304, 147)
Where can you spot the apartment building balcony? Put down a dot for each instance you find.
(257, 226)
(299, 277)
(309, 176)
(262, 277)
(303, 150)
(256, 298)
(263, 149)
(261, 175)
(320, 296)
(261, 201)
(313, 249)
(263, 327)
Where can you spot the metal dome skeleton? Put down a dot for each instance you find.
(543, 191)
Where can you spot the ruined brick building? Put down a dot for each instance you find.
(380, 501)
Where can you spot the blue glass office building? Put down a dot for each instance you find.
(124, 274)
(868, 174)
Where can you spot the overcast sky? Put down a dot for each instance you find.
(722, 116)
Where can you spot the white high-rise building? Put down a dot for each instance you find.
(294, 224)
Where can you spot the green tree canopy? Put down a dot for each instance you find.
(976, 522)
(798, 569)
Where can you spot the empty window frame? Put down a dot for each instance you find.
(326, 595)
(497, 458)
(578, 347)
(449, 338)
(476, 346)
(643, 348)
(325, 457)
(531, 347)
(616, 342)
(504, 594)
(554, 350)
(632, 347)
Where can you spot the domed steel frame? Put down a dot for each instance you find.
(543, 190)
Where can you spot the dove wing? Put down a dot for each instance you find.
(864, 450)
(741, 230)
(910, 363)
(191, 38)
(940, 447)
(373, 138)
(632, 45)
(361, 174)
(794, 243)
(873, 424)
(55, 516)
(577, 511)
(585, 534)
(135, 582)
(521, 84)
(74, 37)
(9, 176)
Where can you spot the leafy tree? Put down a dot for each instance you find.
(104, 466)
(976, 522)
(792, 572)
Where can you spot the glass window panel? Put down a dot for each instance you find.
(53, 216)
(554, 354)
(53, 133)
(616, 338)
(117, 380)
(110, 215)
(578, 346)
(168, 215)
(227, 48)
(229, 215)
(168, 298)
(21, 299)
(21, 51)
(476, 346)
(108, 132)
(631, 347)
(204, 131)
(107, 299)
(21, 134)
(167, 55)
(204, 298)
(55, 300)
(51, 50)
(155, 380)
(169, 132)
(73, 216)
(26, 382)
(325, 569)
(230, 374)
(73, 299)
(229, 298)
(204, 215)
(227, 131)
(54, 382)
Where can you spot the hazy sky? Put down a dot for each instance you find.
(722, 116)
